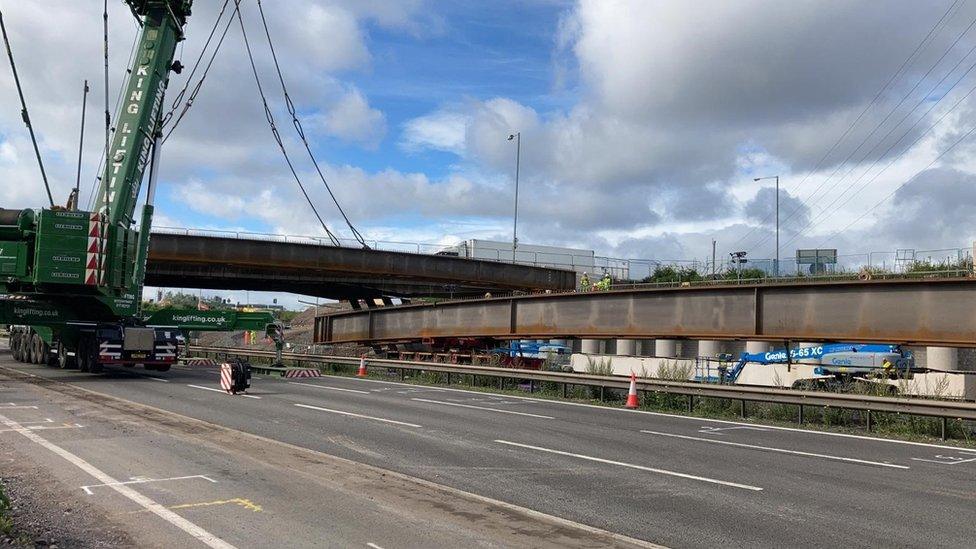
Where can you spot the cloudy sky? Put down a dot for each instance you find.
(643, 123)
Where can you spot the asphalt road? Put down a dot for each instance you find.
(665, 479)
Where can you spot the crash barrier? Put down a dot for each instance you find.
(942, 409)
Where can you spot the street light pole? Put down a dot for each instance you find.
(517, 136)
(776, 177)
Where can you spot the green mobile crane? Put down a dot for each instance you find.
(71, 281)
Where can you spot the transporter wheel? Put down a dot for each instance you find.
(15, 345)
(64, 361)
(83, 356)
(36, 347)
(162, 367)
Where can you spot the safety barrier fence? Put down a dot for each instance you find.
(941, 409)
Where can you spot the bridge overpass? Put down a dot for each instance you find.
(308, 268)
(938, 312)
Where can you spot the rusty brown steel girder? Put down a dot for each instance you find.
(925, 312)
(327, 271)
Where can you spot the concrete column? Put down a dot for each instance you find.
(665, 348)
(626, 347)
(590, 347)
(709, 348)
(942, 358)
(753, 347)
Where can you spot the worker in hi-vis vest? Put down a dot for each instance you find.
(585, 283)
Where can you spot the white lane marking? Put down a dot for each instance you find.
(372, 545)
(162, 512)
(779, 450)
(357, 415)
(675, 416)
(16, 407)
(719, 430)
(329, 388)
(946, 460)
(481, 408)
(158, 379)
(633, 466)
(143, 480)
(220, 391)
(42, 427)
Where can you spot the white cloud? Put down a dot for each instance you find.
(441, 130)
(352, 119)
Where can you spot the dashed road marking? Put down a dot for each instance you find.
(147, 503)
(778, 450)
(633, 466)
(23, 427)
(164, 380)
(372, 545)
(675, 416)
(947, 460)
(482, 408)
(221, 391)
(340, 412)
(329, 388)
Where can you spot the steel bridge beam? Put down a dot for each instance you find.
(924, 312)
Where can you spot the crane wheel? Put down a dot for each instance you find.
(34, 349)
(64, 361)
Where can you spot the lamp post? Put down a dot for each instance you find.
(776, 177)
(517, 136)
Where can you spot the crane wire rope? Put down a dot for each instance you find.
(301, 132)
(899, 187)
(196, 65)
(118, 101)
(822, 214)
(925, 40)
(912, 144)
(274, 128)
(878, 126)
(23, 111)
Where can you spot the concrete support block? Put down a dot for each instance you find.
(665, 348)
(942, 358)
(590, 346)
(627, 347)
(709, 348)
(753, 347)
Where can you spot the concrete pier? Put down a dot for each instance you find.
(665, 348)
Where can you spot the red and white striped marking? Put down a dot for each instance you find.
(226, 377)
(302, 372)
(94, 273)
(200, 362)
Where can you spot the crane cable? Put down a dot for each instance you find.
(23, 112)
(935, 28)
(796, 210)
(196, 65)
(274, 128)
(819, 217)
(301, 132)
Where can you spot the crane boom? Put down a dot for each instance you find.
(139, 113)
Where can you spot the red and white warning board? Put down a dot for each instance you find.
(95, 253)
(227, 377)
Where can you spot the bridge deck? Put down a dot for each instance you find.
(189, 261)
(931, 312)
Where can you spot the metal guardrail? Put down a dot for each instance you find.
(941, 409)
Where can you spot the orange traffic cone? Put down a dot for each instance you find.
(632, 401)
(362, 367)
